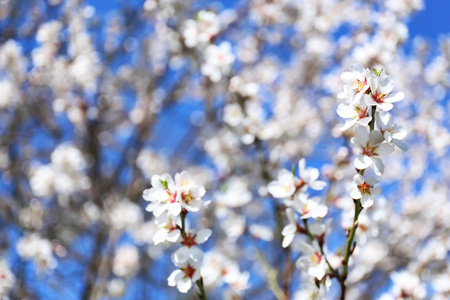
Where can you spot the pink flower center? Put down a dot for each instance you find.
(189, 271)
(170, 227)
(189, 240)
(378, 97)
(316, 258)
(187, 197)
(365, 188)
(361, 113)
(369, 151)
(359, 85)
(305, 210)
(173, 198)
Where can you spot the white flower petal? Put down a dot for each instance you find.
(346, 111)
(358, 179)
(184, 285)
(366, 201)
(306, 248)
(174, 277)
(318, 185)
(174, 208)
(348, 124)
(362, 136)
(160, 236)
(397, 97)
(317, 271)
(385, 149)
(203, 235)
(376, 138)
(196, 254)
(400, 144)
(375, 191)
(355, 193)
(319, 212)
(362, 162)
(181, 255)
(196, 275)
(385, 106)
(371, 180)
(287, 240)
(173, 236)
(378, 166)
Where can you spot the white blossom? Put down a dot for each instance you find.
(380, 87)
(235, 194)
(407, 285)
(310, 175)
(218, 60)
(190, 193)
(7, 279)
(370, 148)
(126, 261)
(290, 229)
(163, 196)
(188, 272)
(201, 30)
(38, 249)
(189, 251)
(358, 113)
(357, 82)
(169, 230)
(284, 187)
(365, 189)
(393, 133)
(309, 207)
(312, 260)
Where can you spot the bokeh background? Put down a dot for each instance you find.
(98, 96)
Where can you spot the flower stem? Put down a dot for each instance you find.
(350, 247)
(202, 294)
(372, 122)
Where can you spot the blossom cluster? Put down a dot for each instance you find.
(292, 191)
(95, 101)
(38, 249)
(201, 33)
(368, 100)
(170, 201)
(368, 95)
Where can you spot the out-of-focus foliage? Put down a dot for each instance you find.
(94, 104)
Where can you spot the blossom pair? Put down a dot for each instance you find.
(172, 196)
(287, 184)
(371, 86)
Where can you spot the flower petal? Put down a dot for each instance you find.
(196, 254)
(160, 236)
(181, 255)
(400, 144)
(174, 277)
(203, 235)
(362, 136)
(184, 285)
(355, 193)
(378, 166)
(362, 162)
(366, 201)
(385, 149)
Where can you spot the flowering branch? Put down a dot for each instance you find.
(171, 199)
(366, 91)
(363, 89)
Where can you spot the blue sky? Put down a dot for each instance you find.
(432, 21)
(429, 23)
